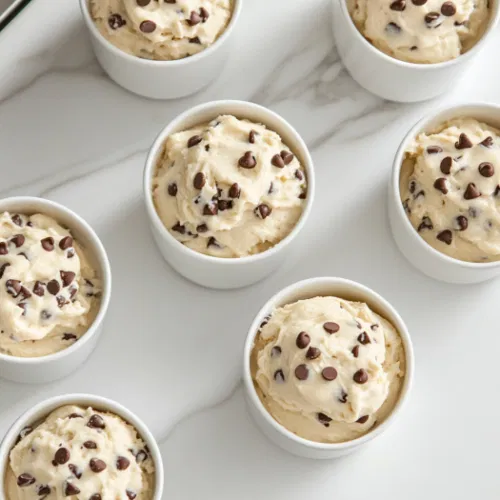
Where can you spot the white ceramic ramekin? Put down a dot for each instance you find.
(215, 272)
(161, 79)
(391, 78)
(43, 409)
(306, 289)
(424, 257)
(58, 365)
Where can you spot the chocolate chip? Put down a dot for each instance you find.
(361, 376)
(53, 287)
(247, 160)
(179, 228)
(446, 164)
(62, 456)
(90, 445)
(463, 222)
(70, 489)
(97, 465)
(486, 169)
(75, 470)
(329, 373)
(3, 267)
(432, 150)
(331, 327)
(43, 490)
(363, 420)
(413, 48)
(143, 3)
(24, 432)
(488, 142)
(74, 415)
(199, 180)
(324, 419)
(440, 185)
(251, 136)
(18, 240)
(122, 463)
(67, 277)
(432, 17)
(313, 353)
(147, 26)
(393, 29)
(355, 351)
(302, 372)
(224, 205)
(448, 9)
(116, 21)
(234, 191)
(374, 327)
(13, 287)
(277, 161)
(343, 397)
(204, 14)
(271, 188)
(463, 142)
(197, 41)
(16, 219)
(263, 211)
(363, 338)
(66, 242)
(496, 193)
(210, 209)
(425, 224)
(303, 340)
(172, 189)
(96, 422)
(276, 351)
(25, 480)
(70, 253)
(303, 195)
(69, 336)
(299, 175)
(471, 192)
(4, 249)
(48, 244)
(61, 301)
(287, 157)
(141, 456)
(419, 2)
(212, 242)
(194, 141)
(97, 496)
(398, 5)
(445, 236)
(194, 18)
(130, 494)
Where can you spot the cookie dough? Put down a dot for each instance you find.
(327, 369)
(161, 30)
(49, 292)
(450, 189)
(229, 188)
(421, 31)
(83, 454)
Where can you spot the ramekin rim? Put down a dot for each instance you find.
(99, 253)
(360, 290)
(99, 403)
(84, 7)
(422, 66)
(149, 174)
(396, 170)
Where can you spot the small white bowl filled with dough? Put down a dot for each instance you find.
(328, 364)
(228, 186)
(80, 446)
(444, 194)
(161, 49)
(55, 287)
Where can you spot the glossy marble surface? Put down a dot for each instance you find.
(172, 351)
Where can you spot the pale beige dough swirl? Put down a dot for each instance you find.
(421, 31)
(160, 29)
(216, 206)
(328, 369)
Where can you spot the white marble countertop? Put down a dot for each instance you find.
(171, 350)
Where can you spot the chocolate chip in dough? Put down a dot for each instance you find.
(224, 205)
(62, 456)
(331, 327)
(234, 191)
(3, 267)
(448, 9)
(462, 222)
(196, 40)
(361, 376)
(13, 287)
(210, 209)
(247, 160)
(75, 471)
(303, 340)
(276, 351)
(48, 244)
(43, 490)
(486, 169)
(194, 141)
(433, 150)
(212, 242)
(24, 432)
(364, 338)
(97, 496)
(179, 228)
(69, 336)
(431, 18)
(324, 419)
(329, 373)
(141, 456)
(343, 397)
(363, 419)
(445, 236)
(25, 479)
(66, 242)
(53, 287)
(299, 175)
(204, 14)
(61, 301)
(67, 278)
(302, 372)
(277, 161)
(446, 164)
(172, 189)
(17, 220)
(463, 142)
(70, 489)
(18, 240)
(263, 211)
(251, 136)
(398, 5)
(279, 376)
(488, 142)
(130, 494)
(287, 157)
(440, 185)
(194, 18)
(116, 21)
(122, 463)
(147, 26)
(393, 29)
(313, 353)
(97, 465)
(143, 3)
(96, 422)
(355, 351)
(425, 224)
(471, 192)
(419, 3)
(199, 180)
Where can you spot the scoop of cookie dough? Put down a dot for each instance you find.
(421, 31)
(229, 188)
(328, 369)
(83, 454)
(49, 294)
(162, 30)
(450, 188)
